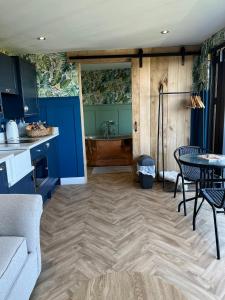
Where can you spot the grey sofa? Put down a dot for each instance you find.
(20, 255)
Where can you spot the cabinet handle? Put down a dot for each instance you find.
(38, 150)
(26, 108)
(2, 169)
(47, 145)
(135, 126)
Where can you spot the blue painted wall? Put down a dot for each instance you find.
(64, 112)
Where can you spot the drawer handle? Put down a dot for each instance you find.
(38, 150)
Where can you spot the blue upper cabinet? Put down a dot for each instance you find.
(8, 82)
(23, 103)
(27, 84)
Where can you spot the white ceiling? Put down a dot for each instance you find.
(105, 66)
(106, 24)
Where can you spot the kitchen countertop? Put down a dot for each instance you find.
(26, 146)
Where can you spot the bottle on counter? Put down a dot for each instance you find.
(22, 128)
(2, 133)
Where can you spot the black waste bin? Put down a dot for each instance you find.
(146, 171)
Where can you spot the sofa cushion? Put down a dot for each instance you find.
(13, 255)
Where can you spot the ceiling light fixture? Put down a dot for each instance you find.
(41, 38)
(164, 31)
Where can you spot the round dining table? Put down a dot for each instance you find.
(201, 161)
(209, 165)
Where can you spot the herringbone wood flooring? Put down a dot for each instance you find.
(111, 224)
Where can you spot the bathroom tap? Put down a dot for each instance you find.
(109, 128)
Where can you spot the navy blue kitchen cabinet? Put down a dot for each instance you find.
(24, 103)
(45, 176)
(3, 179)
(27, 85)
(48, 149)
(24, 186)
(64, 112)
(8, 82)
(53, 158)
(44, 159)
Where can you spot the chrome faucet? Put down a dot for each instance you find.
(109, 129)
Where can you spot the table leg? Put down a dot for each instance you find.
(212, 177)
(195, 205)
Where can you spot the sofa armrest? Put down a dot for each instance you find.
(20, 216)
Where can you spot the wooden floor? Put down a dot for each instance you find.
(111, 225)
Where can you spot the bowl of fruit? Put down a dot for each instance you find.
(38, 129)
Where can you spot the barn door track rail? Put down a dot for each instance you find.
(140, 54)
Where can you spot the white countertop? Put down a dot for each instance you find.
(27, 146)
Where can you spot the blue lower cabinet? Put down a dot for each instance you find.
(46, 189)
(43, 179)
(24, 186)
(53, 157)
(4, 189)
(44, 159)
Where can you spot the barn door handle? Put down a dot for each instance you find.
(135, 126)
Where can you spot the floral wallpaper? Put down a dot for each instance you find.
(106, 86)
(55, 75)
(200, 69)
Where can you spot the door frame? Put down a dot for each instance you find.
(102, 61)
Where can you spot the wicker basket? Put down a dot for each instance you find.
(39, 132)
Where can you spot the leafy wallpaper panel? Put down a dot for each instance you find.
(55, 75)
(106, 86)
(200, 69)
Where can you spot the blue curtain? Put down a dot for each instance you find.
(200, 123)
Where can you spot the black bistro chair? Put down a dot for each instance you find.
(216, 199)
(187, 173)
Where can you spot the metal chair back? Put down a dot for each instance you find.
(188, 172)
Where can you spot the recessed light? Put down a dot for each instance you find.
(41, 38)
(164, 31)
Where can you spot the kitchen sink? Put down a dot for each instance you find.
(18, 164)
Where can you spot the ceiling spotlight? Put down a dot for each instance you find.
(164, 31)
(41, 38)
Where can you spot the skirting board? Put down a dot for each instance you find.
(73, 180)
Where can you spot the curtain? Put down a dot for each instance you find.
(200, 123)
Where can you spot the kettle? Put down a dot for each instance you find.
(12, 133)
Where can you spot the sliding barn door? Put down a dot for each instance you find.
(145, 96)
